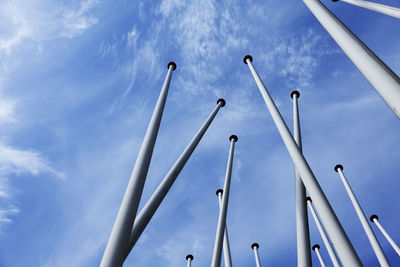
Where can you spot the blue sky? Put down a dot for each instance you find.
(78, 83)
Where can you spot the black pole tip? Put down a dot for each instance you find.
(335, 0)
(254, 245)
(219, 191)
(295, 92)
(233, 137)
(189, 256)
(308, 199)
(222, 101)
(373, 216)
(172, 64)
(315, 246)
(337, 167)
(246, 57)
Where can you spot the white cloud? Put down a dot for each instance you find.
(296, 57)
(28, 23)
(76, 21)
(6, 213)
(206, 35)
(16, 161)
(138, 58)
(6, 110)
(132, 38)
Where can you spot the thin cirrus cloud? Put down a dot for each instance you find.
(26, 26)
(29, 21)
(15, 162)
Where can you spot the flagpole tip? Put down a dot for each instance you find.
(254, 245)
(189, 256)
(222, 101)
(295, 92)
(233, 138)
(219, 191)
(337, 167)
(315, 246)
(172, 64)
(308, 199)
(373, 217)
(246, 57)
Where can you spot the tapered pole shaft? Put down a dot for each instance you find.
(226, 247)
(383, 9)
(380, 76)
(316, 249)
(255, 247)
(374, 219)
(119, 239)
(324, 237)
(332, 225)
(364, 222)
(216, 259)
(189, 259)
(302, 229)
(155, 200)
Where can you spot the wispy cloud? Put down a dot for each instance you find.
(15, 162)
(135, 57)
(77, 20)
(206, 34)
(30, 23)
(296, 57)
(6, 213)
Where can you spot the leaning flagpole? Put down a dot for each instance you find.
(155, 200)
(364, 222)
(325, 239)
(383, 9)
(117, 244)
(302, 229)
(379, 75)
(227, 249)
(216, 259)
(316, 248)
(335, 230)
(255, 247)
(374, 219)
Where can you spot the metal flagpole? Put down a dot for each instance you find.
(321, 230)
(383, 9)
(364, 222)
(302, 230)
(216, 259)
(155, 200)
(316, 248)
(332, 225)
(380, 76)
(374, 219)
(119, 239)
(227, 249)
(189, 259)
(255, 247)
